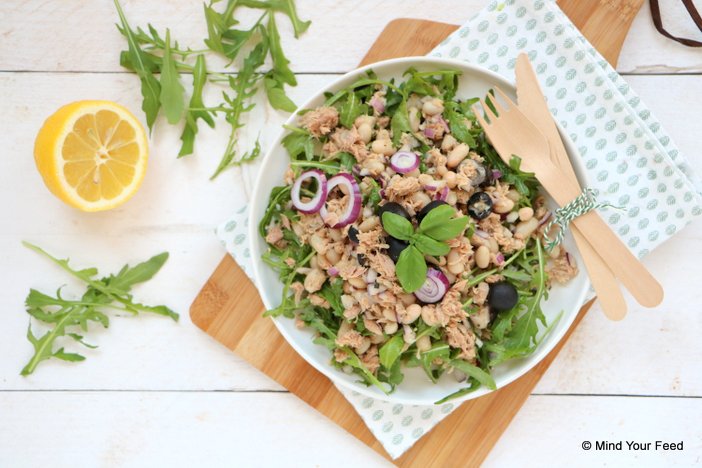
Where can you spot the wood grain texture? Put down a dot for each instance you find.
(239, 325)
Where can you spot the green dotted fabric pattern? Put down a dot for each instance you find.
(631, 161)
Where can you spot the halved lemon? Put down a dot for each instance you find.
(92, 154)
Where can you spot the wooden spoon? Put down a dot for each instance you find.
(533, 104)
(512, 133)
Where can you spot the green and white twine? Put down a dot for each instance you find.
(582, 204)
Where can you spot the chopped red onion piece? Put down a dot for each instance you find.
(333, 271)
(442, 195)
(499, 259)
(429, 132)
(434, 288)
(353, 208)
(443, 123)
(544, 220)
(377, 104)
(317, 202)
(496, 174)
(481, 233)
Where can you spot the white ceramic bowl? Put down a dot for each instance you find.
(416, 388)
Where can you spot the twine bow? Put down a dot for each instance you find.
(583, 203)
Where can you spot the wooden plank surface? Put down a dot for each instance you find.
(229, 308)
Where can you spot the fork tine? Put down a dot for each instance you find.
(506, 98)
(490, 114)
(479, 117)
(498, 106)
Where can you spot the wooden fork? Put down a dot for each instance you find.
(513, 134)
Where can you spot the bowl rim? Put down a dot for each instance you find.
(327, 370)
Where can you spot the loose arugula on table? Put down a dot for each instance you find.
(70, 318)
(149, 54)
(437, 227)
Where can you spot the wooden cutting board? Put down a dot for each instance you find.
(229, 308)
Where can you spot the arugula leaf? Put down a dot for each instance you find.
(143, 66)
(397, 226)
(411, 269)
(244, 86)
(196, 108)
(276, 95)
(111, 292)
(332, 292)
(430, 246)
(129, 276)
(475, 372)
(281, 70)
(456, 122)
(171, 96)
(400, 123)
(283, 6)
(390, 351)
(351, 109)
(354, 361)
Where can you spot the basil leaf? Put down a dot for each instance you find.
(400, 123)
(448, 230)
(172, 91)
(390, 351)
(430, 246)
(436, 217)
(397, 226)
(476, 372)
(411, 269)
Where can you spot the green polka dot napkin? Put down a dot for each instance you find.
(631, 161)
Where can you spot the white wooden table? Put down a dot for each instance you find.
(156, 393)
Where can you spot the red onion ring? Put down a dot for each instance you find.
(317, 202)
(404, 162)
(353, 208)
(434, 288)
(443, 123)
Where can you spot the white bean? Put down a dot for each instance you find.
(333, 256)
(526, 228)
(451, 198)
(412, 313)
(318, 244)
(448, 144)
(369, 223)
(503, 205)
(365, 132)
(365, 344)
(513, 195)
(433, 107)
(456, 268)
(336, 234)
(482, 257)
(457, 154)
(421, 198)
(526, 213)
(322, 262)
(414, 118)
(383, 147)
(347, 301)
(423, 343)
(358, 282)
(450, 178)
(390, 328)
(493, 246)
(512, 217)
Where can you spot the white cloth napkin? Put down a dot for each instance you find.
(630, 160)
